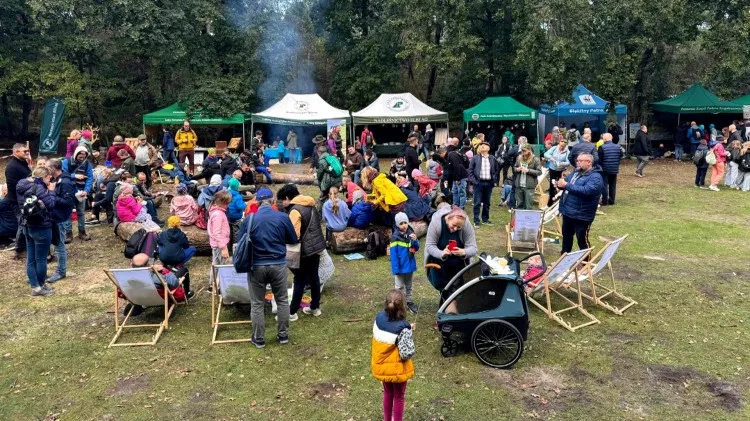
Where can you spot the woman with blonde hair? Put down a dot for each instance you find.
(72, 144)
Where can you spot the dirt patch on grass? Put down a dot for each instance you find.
(729, 397)
(128, 386)
(328, 392)
(709, 291)
(545, 391)
(624, 337)
(672, 375)
(627, 273)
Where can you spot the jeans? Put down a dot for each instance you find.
(678, 151)
(108, 208)
(574, 227)
(700, 176)
(81, 214)
(264, 171)
(693, 148)
(151, 210)
(642, 161)
(524, 197)
(394, 397)
(610, 188)
(356, 176)
(169, 156)
(257, 280)
(482, 195)
(508, 195)
(38, 241)
(459, 193)
(60, 252)
(306, 274)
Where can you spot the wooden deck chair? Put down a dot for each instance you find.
(136, 285)
(541, 191)
(525, 231)
(229, 287)
(554, 278)
(610, 294)
(551, 225)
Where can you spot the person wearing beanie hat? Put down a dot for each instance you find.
(183, 207)
(81, 172)
(362, 211)
(207, 193)
(402, 249)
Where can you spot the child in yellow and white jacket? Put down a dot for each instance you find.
(387, 365)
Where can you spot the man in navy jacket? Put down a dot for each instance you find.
(580, 198)
(610, 155)
(65, 191)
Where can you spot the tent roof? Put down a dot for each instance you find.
(743, 100)
(585, 102)
(301, 109)
(175, 114)
(499, 108)
(696, 100)
(398, 108)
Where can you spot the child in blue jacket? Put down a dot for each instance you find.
(404, 245)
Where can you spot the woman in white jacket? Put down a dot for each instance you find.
(557, 162)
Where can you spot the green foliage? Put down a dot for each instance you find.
(114, 61)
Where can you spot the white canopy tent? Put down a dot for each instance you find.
(300, 110)
(398, 109)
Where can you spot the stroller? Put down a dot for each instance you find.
(487, 312)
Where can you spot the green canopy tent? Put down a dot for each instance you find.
(175, 115)
(743, 100)
(696, 100)
(502, 108)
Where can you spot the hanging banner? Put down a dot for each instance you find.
(338, 128)
(746, 112)
(52, 118)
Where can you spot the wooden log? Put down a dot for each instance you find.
(353, 240)
(197, 237)
(283, 178)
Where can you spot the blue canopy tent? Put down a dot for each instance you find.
(587, 107)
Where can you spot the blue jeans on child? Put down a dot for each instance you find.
(264, 171)
(60, 252)
(38, 241)
(678, 150)
(459, 193)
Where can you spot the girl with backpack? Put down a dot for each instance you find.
(36, 198)
(390, 333)
(701, 166)
(720, 159)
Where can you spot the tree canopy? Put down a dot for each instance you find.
(111, 62)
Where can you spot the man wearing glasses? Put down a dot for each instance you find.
(16, 170)
(580, 197)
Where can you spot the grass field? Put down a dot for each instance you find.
(681, 353)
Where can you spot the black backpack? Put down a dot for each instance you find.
(135, 243)
(699, 157)
(368, 139)
(375, 244)
(745, 162)
(33, 210)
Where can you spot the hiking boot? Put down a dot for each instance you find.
(11, 246)
(83, 236)
(283, 339)
(41, 292)
(412, 307)
(48, 287)
(54, 278)
(316, 312)
(476, 224)
(190, 294)
(68, 237)
(260, 344)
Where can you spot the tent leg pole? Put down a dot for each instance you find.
(243, 135)
(252, 124)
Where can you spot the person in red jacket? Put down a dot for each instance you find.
(118, 143)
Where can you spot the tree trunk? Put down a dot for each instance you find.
(198, 238)
(364, 5)
(26, 111)
(640, 100)
(281, 178)
(352, 239)
(433, 70)
(6, 116)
